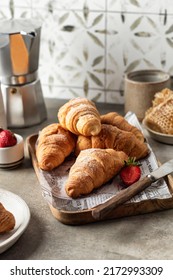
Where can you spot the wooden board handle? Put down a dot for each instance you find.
(124, 195)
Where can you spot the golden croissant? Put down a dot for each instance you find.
(117, 120)
(7, 220)
(112, 137)
(80, 116)
(54, 145)
(92, 169)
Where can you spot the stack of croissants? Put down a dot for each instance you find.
(101, 144)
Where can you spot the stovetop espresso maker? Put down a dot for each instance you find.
(20, 85)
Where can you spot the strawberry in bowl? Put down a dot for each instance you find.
(7, 138)
(11, 149)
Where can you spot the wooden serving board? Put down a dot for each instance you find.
(85, 216)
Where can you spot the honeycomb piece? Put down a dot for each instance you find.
(162, 96)
(160, 117)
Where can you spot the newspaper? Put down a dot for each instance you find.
(53, 183)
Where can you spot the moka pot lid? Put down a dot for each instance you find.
(22, 26)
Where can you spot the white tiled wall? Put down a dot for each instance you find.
(88, 45)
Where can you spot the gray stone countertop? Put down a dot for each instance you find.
(148, 236)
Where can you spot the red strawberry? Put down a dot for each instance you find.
(131, 172)
(7, 138)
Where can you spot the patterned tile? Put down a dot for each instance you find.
(72, 49)
(16, 3)
(22, 12)
(88, 45)
(15, 12)
(168, 6)
(68, 93)
(140, 6)
(70, 4)
(114, 97)
(114, 5)
(5, 13)
(46, 4)
(138, 42)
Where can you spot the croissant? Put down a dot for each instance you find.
(7, 220)
(93, 168)
(80, 116)
(112, 137)
(54, 145)
(117, 120)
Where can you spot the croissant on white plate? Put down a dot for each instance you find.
(7, 220)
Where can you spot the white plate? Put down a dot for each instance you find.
(164, 138)
(18, 207)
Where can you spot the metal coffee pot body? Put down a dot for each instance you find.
(19, 50)
(19, 61)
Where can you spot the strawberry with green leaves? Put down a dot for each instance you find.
(131, 172)
(7, 138)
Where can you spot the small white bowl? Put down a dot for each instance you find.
(11, 157)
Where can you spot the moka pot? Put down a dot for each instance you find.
(19, 61)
